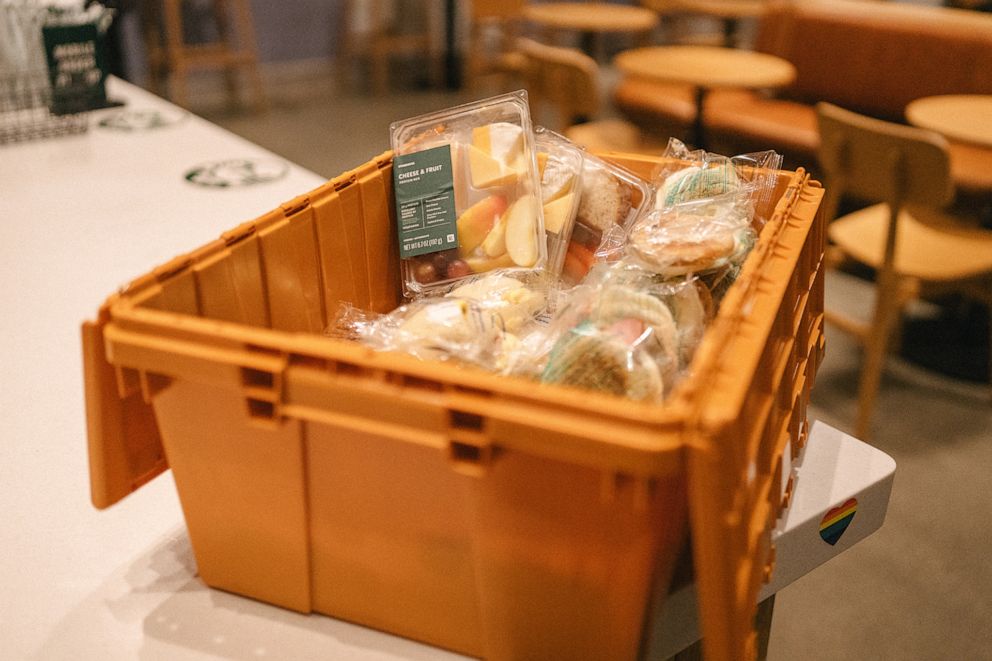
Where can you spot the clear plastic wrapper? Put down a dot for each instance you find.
(513, 297)
(22, 47)
(559, 163)
(613, 199)
(693, 237)
(607, 357)
(687, 297)
(625, 331)
(708, 175)
(447, 329)
(477, 322)
(467, 193)
(717, 177)
(719, 281)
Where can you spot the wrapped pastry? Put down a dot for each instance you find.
(447, 329)
(696, 182)
(720, 280)
(505, 296)
(686, 297)
(620, 333)
(693, 237)
(688, 175)
(605, 358)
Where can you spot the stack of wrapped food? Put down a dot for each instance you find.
(525, 255)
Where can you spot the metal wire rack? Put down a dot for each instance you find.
(25, 109)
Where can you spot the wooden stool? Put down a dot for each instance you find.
(385, 35)
(495, 26)
(170, 55)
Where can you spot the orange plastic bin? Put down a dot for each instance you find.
(482, 514)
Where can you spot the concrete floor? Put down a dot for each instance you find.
(920, 588)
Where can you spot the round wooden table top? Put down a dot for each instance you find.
(717, 8)
(592, 16)
(707, 66)
(962, 117)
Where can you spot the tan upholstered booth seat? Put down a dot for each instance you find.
(656, 107)
(874, 57)
(971, 167)
(758, 121)
(870, 57)
(745, 119)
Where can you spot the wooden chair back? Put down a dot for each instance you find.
(878, 161)
(171, 57)
(895, 165)
(566, 78)
(493, 32)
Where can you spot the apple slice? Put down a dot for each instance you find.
(521, 231)
(477, 221)
(495, 243)
(556, 213)
(483, 264)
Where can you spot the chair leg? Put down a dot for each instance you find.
(156, 71)
(246, 35)
(223, 23)
(152, 34)
(178, 88)
(380, 67)
(174, 46)
(887, 312)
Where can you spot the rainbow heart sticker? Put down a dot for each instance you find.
(836, 521)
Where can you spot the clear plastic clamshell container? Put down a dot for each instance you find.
(559, 163)
(467, 193)
(612, 199)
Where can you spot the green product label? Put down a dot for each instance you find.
(425, 202)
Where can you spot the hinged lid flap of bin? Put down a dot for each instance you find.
(125, 450)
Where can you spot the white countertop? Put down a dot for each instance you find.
(81, 216)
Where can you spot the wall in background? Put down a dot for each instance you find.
(297, 29)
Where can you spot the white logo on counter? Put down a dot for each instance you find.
(237, 172)
(141, 120)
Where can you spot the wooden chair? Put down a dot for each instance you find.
(915, 248)
(495, 26)
(171, 57)
(567, 80)
(377, 31)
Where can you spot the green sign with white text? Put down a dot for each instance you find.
(425, 201)
(77, 66)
